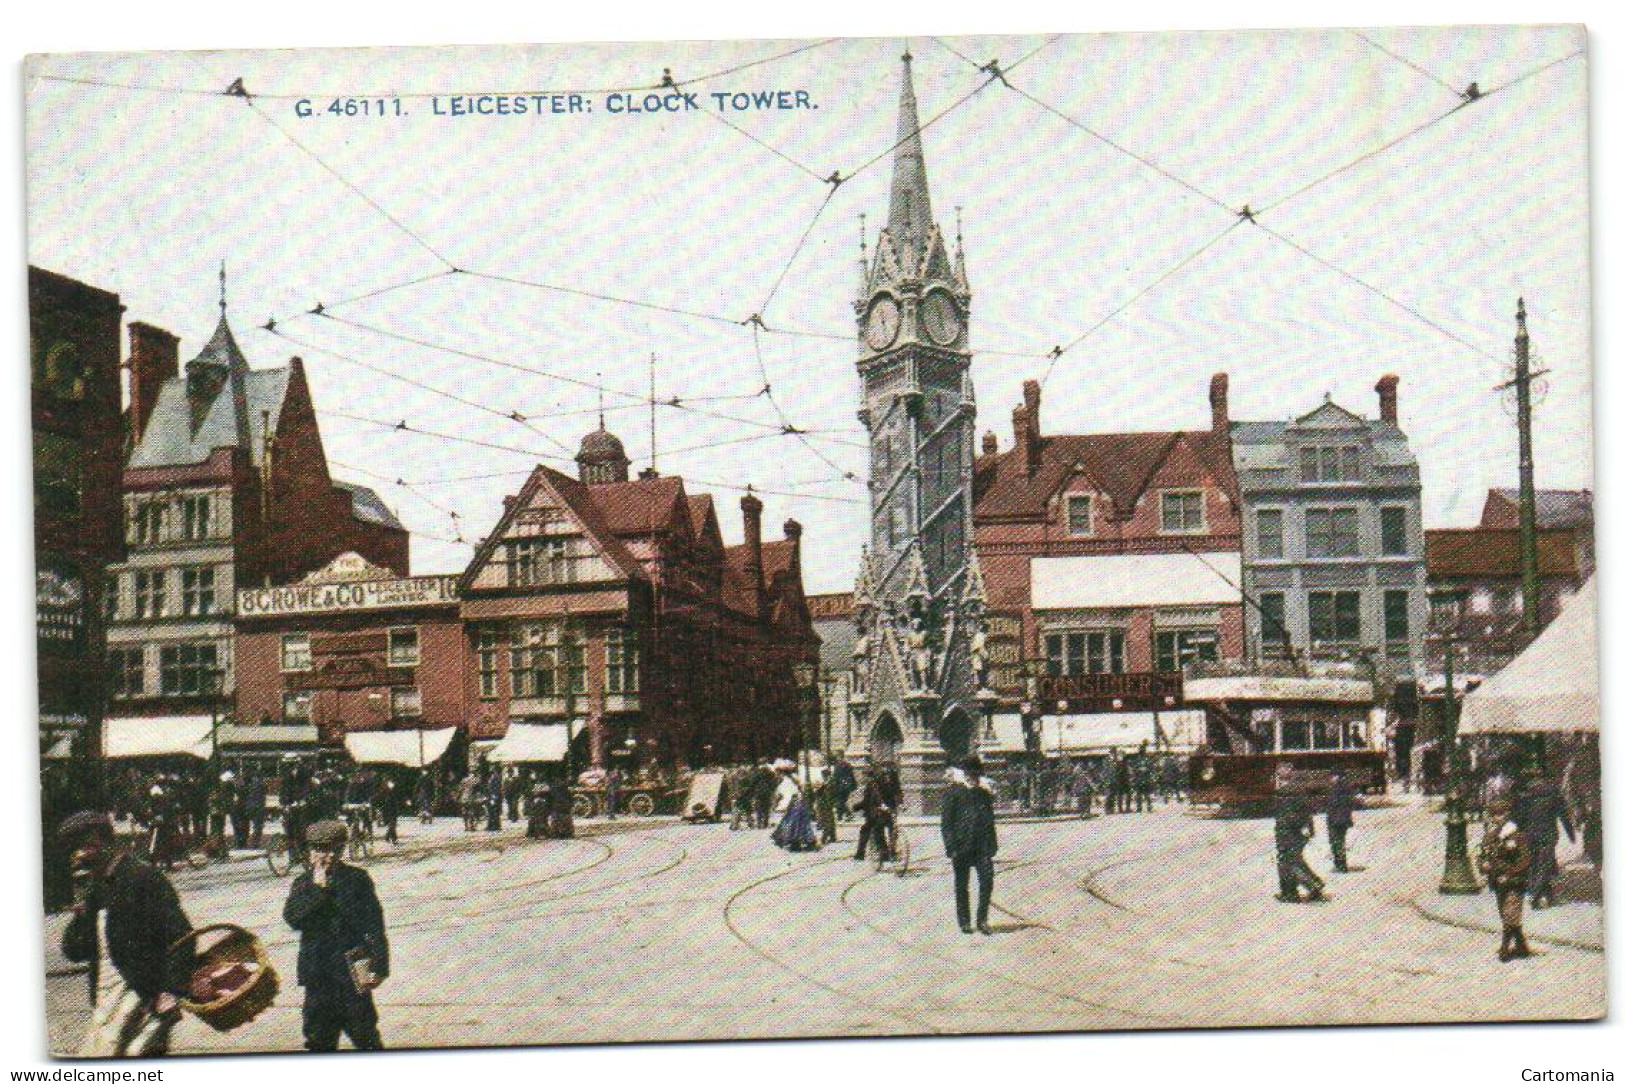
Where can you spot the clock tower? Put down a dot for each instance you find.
(918, 668)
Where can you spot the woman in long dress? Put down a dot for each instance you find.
(796, 831)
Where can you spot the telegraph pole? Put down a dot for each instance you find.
(1521, 380)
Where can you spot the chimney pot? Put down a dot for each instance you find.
(990, 443)
(1388, 398)
(1218, 397)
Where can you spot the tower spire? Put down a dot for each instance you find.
(222, 287)
(910, 217)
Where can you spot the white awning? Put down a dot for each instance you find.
(1180, 731)
(1258, 687)
(413, 748)
(1549, 689)
(529, 743)
(1114, 581)
(166, 735)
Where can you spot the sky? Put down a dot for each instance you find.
(1098, 191)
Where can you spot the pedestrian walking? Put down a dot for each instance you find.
(126, 917)
(1118, 797)
(879, 815)
(1294, 827)
(765, 788)
(562, 820)
(425, 796)
(795, 831)
(1340, 806)
(222, 800)
(249, 819)
(468, 800)
(1083, 790)
(493, 798)
(343, 947)
(1538, 810)
(1144, 781)
(971, 840)
(388, 801)
(823, 802)
(513, 789)
(1504, 857)
(843, 782)
(741, 795)
(540, 806)
(612, 791)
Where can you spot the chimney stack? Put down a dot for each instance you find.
(1024, 420)
(990, 443)
(154, 358)
(792, 532)
(1388, 398)
(752, 509)
(1218, 397)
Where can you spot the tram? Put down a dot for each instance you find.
(1272, 735)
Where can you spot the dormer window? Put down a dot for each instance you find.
(1322, 464)
(1183, 512)
(1080, 520)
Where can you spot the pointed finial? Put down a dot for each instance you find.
(908, 56)
(863, 234)
(959, 225)
(601, 426)
(1523, 325)
(222, 286)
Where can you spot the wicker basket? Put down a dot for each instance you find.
(234, 955)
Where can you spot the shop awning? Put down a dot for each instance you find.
(1113, 581)
(1262, 687)
(413, 748)
(1180, 731)
(1549, 689)
(235, 738)
(531, 743)
(158, 736)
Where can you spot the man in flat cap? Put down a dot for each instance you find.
(126, 919)
(343, 950)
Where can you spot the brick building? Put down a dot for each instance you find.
(615, 601)
(78, 437)
(351, 648)
(1106, 554)
(226, 486)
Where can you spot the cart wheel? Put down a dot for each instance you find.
(583, 806)
(276, 855)
(641, 805)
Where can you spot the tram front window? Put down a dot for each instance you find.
(1294, 735)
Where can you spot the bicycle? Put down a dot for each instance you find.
(281, 852)
(897, 856)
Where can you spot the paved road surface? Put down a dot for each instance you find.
(658, 930)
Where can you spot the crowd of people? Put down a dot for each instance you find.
(1122, 782)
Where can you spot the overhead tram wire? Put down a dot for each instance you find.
(272, 324)
(717, 318)
(762, 143)
(416, 94)
(1056, 354)
(513, 416)
(1409, 63)
(403, 426)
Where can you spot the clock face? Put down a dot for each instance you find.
(940, 317)
(880, 330)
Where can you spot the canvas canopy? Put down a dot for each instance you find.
(530, 743)
(1102, 732)
(413, 748)
(167, 735)
(1549, 689)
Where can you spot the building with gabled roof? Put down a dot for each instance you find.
(226, 486)
(615, 601)
(1105, 557)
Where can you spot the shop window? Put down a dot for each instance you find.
(403, 646)
(295, 652)
(1179, 648)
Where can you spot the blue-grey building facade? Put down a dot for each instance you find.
(1332, 544)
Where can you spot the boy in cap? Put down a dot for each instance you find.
(126, 918)
(343, 949)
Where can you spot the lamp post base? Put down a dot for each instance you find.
(1458, 867)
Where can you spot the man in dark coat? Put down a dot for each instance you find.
(135, 979)
(765, 788)
(969, 837)
(1538, 810)
(248, 819)
(1294, 825)
(879, 815)
(843, 781)
(493, 799)
(1340, 806)
(343, 949)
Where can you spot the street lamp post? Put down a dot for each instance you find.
(806, 677)
(1458, 877)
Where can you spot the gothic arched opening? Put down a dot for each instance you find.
(884, 740)
(956, 733)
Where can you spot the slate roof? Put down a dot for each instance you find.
(1123, 465)
(1554, 507)
(169, 441)
(367, 507)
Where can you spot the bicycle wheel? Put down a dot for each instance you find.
(903, 855)
(277, 856)
(583, 806)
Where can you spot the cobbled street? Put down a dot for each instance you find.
(657, 930)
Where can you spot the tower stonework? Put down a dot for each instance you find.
(918, 662)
